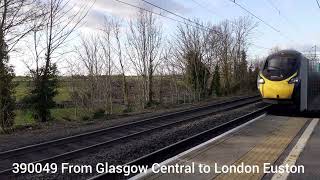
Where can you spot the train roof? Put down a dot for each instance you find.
(288, 52)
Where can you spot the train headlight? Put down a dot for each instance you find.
(260, 80)
(294, 80)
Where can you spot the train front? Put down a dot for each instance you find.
(278, 80)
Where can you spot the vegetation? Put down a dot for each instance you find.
(215, 84)
(42, 93)
(14, 16)
(7, 101)
(121, 67)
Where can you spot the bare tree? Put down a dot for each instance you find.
(60, 21)
(274, 49)
(105, 44)
(125, 90)
(225, 55)
(144, 49)
(242, 28)
(191, 50)
(91, 91)
(15, 19)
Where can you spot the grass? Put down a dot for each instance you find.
(63, 94)
(22, 90)
(23, 117)
(70, 114)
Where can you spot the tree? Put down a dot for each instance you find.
(14, 18)
(105, 44)
(7, 101)
(95, 59)
(58, 23)
(197, 73)
(225, 56)
(43, 93)
(125, 90)
(242, 29)
(275, 49)
(215, 84)
(144, 46)
(243, 71)
(192, 47)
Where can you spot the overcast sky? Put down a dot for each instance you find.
(297, 20)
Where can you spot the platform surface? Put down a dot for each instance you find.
(264, 140)
(310, 157)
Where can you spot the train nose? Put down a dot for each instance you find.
(277, 90)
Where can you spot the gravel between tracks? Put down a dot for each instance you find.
(142, 145)
(55, 130)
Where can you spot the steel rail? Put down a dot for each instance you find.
(74, 153)
(178, 147)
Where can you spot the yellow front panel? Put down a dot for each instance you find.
(276, 89)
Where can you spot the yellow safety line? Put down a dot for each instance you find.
(267, 151)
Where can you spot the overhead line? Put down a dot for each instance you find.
(252, 14)
(192, 21)
(318, 3)
(209, 10)
(260, 47)
(159, 14)
(206, 28)
(212, 12)
(175, 14)
(204, 7)
(282, 15)
(274, 6)
(263, 21)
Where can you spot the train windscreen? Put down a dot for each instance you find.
(278, 68)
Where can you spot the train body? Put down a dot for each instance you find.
(281, 76)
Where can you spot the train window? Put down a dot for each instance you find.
(280, 68)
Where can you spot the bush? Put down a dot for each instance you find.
(99, 113)
(86, 118)
(128, 109)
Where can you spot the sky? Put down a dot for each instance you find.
(295, 23)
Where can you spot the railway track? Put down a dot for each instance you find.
(82, 144)
(183, 145)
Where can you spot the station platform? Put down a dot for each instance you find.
(266, 141)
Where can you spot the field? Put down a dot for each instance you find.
(24, 116)
(23, 84)
(167, 93)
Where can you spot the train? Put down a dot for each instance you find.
(281, 76)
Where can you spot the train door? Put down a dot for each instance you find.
(314, 84)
